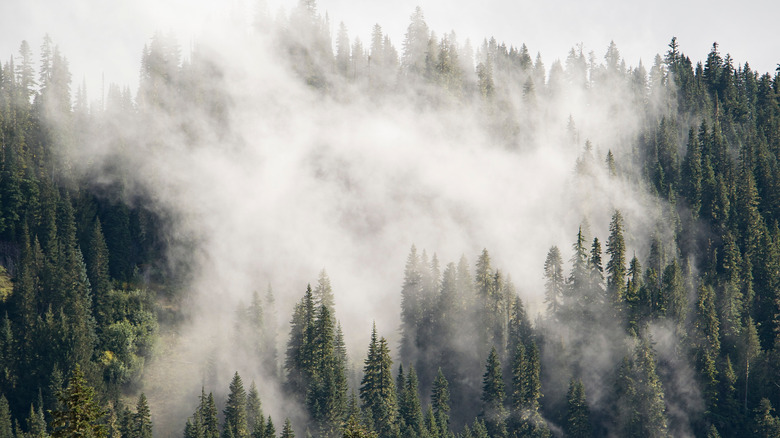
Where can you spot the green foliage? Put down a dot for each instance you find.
(640, 410)
(766, 424)
(6, 427)
(6, 286)
(204, 423)
(298, 362)
(287, 430)
(36, 423)
(97, 270)
(377, 390)
(80, 269)
(129, 336)
(254, 410)
(409, 408)
(142, 419)
(440, 400)
(270, 430)
(577, 424)
(354, 429)
(616, 266)
(554, 281)
(79, 415)
(673, 294)
(235, 410)
(493, 412)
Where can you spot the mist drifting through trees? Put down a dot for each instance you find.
(288, 230)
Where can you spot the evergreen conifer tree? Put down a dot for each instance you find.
(577, 423)
(616, 266)
(766, 424)
(287, 430)
(440, 400)
(270, 430)
(235, 409)
(6, 425)
(554, 281)
(377, 391)
(254, 409)
(410, 409)
(142, 419)
(80, 415)
(493, 411)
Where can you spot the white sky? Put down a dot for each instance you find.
(106, 36)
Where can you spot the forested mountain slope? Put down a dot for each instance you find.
(634, 289)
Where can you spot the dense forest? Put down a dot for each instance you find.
(664, 326)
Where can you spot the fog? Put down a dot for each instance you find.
(294, 179)
(101, 39)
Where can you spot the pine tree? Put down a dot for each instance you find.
(323, 293)
(691, 174)
(440, 400)
(192, 429)
(287, 431)
(8, 354)
(125, 422)
(113, 427)
(270, 430)
(25, 73)
(400, 384)
(80, 415)
(415, 44)
(36, 424)
(410, 409)
(729, 413)
(327, 392)
(525, 419)
(480, 430)
(298, 360)
(554, 281)
(707, 342)
(673, 294)
(610, 162)
(254, 408)
(142, 419)
(483, 276)
(635, 309)
(269, 333)
(750, 350)
(577, 424)
(411, 307)
(519, 384)
(616, 266)
(712, 432)
(97, 270)
(377, 391)
(533, 385)
(750, 223)
(431, 425)
(6, 426)
(594, 292)
(342, 50)
(208, 414)
(353, 429)
(519, 330)
(492, 311)
(650, 394)
(493, 411)
(766, 424)
(235, 409)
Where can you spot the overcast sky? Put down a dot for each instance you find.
(105, 37)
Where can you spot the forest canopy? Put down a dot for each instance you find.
(634, 289)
